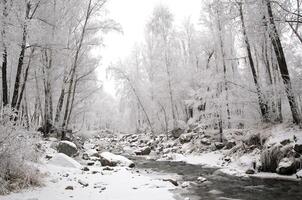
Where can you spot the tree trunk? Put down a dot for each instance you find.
(274, 35)
(60, 102)
(74, 67)
(21, 58)
(25, 80)
(261, 101)
(225, 84)
(4, 56)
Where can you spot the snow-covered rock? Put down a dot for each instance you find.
(298, 146)
(286, 167)
(92, 153)
(63, 160)
(299, 174)
(185, 184)
(143, 151)
(250, 171)
(219, 145)
(205, 141)
(230, 144)
(176, 133)
(201, 179)
(68, 148)
(184, 138)
(112, 160)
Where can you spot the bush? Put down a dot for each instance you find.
(17, 153)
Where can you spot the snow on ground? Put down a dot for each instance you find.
(120, 184)
(281, 132)
(65, 178)
(63, 160)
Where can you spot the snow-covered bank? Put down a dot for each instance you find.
(121, 184)
(247, 156)
(65, 178)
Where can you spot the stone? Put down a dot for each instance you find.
(230, 144)
(286, 167)
(85, 169)
(85, 156)
(90, 163)
(174, 182)
(112, 160)
(285, 142)
(69, 188)
(227, 159)
(108, 169)
(143, 151)
(201, 179)
(250, 171)
(185, 138)
(68, 148)
(298, 147)
(299, 174)
(176, 133)
(83, 183)
(219, 145)
(185, 184)
(205, 141)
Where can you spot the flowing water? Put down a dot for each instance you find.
(221, 186)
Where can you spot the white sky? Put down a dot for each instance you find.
(133, 15)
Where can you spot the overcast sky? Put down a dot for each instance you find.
(133, 15)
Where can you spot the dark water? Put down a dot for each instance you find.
(229, 187)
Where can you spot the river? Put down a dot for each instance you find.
(221, 186)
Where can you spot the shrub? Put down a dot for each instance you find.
(17, 153)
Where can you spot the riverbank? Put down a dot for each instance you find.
(267, 152)
(67, 178)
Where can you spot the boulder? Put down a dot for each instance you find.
(298, 147)
(63, 160)
(143, 151)
(69, 188)
(112, 160)
(205, 141)
(299, 174)
(201, 179)
(185, 184)
(85, 156)
(230, 144)
(92, 153)
(174, 182)
(185, 138)
(176, 133)
(219, 145)
(250, 171)
(68, 148)
(286, 167)
(285, 142)
(83, 183)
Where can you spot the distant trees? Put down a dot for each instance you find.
(46, 58)
(232, 72)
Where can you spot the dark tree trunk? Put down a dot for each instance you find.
(21, 58)
(4, 78)
(261, 101)
(4, 56)
(25, 80)
(74, 67)
(274, 35)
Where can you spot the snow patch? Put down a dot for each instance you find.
(63, 160)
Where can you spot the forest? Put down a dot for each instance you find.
(222, 93)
